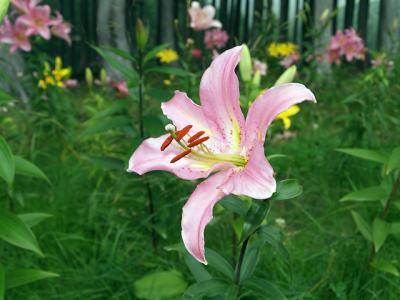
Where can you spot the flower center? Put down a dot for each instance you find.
(194, 146)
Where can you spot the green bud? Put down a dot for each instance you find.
(142, 34)
(256, 79)
(103, 76)
(324, 16)
(89, 77)
(287, 76)
(3, 8)
(245, 66)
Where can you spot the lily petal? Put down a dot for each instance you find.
(148, 157)
(256, 180)
(182, 111)
(197, 213)
(269, 105)
(219, 95)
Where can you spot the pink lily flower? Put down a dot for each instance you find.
(216, 138)
(215, 38)
(38, 21)
(290, 60)
(16, 35)
(121, 88)
(24, 6)
(259, 66)
(61, 29)
(202, 18)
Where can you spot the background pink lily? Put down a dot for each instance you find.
(38, 21)
(24, 6)
(61, 29)
(16, 35)
(227, 144)
(202, 18)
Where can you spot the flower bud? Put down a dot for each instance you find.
(142, 34)
(89, 77)
(256, 79)
(324, 16)
(103, 76)
(3, 8)
(245, 65)
(287, 76)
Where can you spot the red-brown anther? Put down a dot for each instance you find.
(196, 136)
(166, 143)
(198, 142)
(181, 155)
(184, 131)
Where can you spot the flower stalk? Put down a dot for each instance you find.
(385, 211)
(150, 200)
(240, 261)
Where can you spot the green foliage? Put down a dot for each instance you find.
(7, 163)
(371, 155)
(374, 193)
(16, 278)
(287, 189)
(15, 232)
(380, 231)
(3, 10)
(26, 168)
(160, 285)
(362, 225)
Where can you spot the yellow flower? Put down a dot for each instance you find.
(42, 84)
(285, 116)
(167, 82)
(59, 72)
(167, 55)
(281, 49)
(54, 77)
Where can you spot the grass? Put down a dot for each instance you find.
(98, 239)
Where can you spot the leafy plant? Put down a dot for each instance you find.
(16, 229)
(377, 231)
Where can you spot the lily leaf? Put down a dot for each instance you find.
(374, 193)
(366, 154)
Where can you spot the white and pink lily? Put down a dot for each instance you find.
(216, 138)
(202, 18)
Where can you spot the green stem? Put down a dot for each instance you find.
(150, 202)
(240, 262)
(385, 211)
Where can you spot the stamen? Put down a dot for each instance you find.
(181, 133)
(196, 136)
(181, 155)
(197, 142)
(166, 143)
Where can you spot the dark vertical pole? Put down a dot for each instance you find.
(238, 18)
(381, 24)
(309, 9)
(363, 18)
(348, 17)
(246, 21)
(295, 28)
(283, 20)
(334, 19)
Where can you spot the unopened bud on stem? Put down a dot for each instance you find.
(142, 34)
